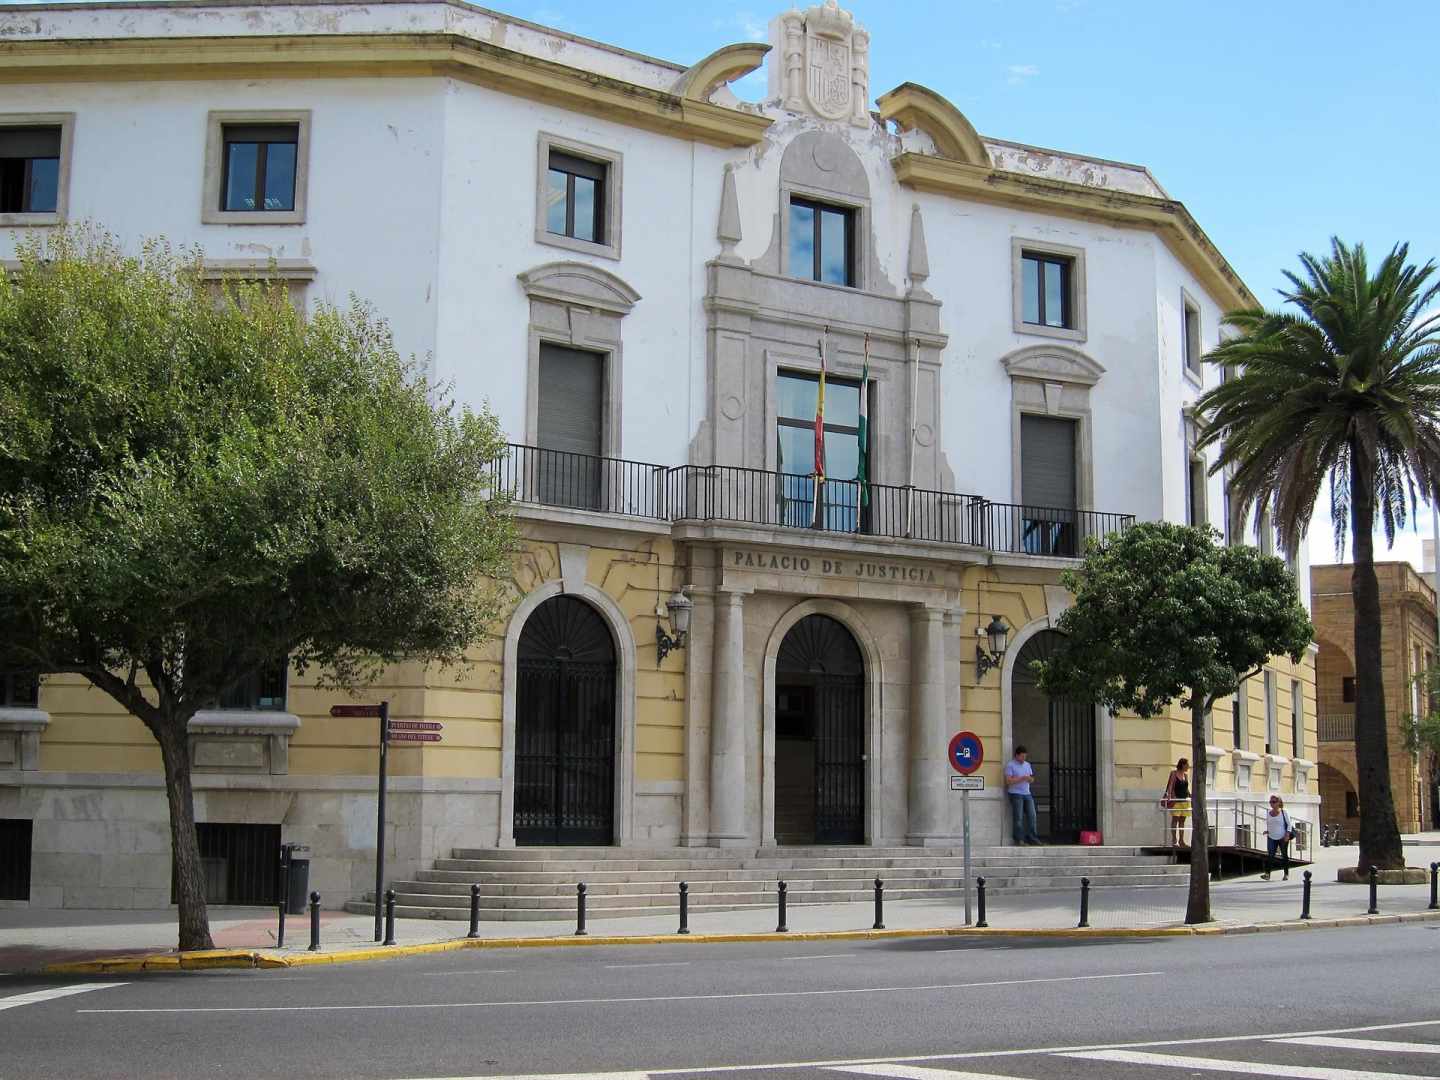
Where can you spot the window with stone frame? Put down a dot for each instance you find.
(30, 169)
(822, 241)
(579, 196)
(1047, 290)
(1272, 720)
(838, 508)
(259, 164)
(1297, 719)
(1190, 335)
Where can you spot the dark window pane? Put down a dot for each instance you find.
(555, 202)
(585, 201)
(241, 161)
(44, 185)
(1030, 290)
(795, 397)
(834, 247)
(1054, 294)
(280, 176)
(802, 241)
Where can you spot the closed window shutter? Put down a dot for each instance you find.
(1047, 462)
(571, 396)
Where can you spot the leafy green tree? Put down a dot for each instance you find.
(1345, 388)
(195, 488)
(1422, 735)
(1162, 614)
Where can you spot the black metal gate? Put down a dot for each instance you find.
(1072, 770)
(819, 653)
(565, 727)
(15, 834)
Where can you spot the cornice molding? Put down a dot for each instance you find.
(380, 55)
(721, 67)
(1166, 217)
(914, 106)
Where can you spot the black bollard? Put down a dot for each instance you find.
(389, 916)
(1374, 892)
(314, 922)
(684, 908)
(781, 928)
(1305, 896)
(1084, 902)
(879, 905)
(474, 911)
(580, 891)
(980, 897)
(1435, 886)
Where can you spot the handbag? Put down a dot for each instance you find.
(1289, 829)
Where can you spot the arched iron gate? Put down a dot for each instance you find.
(1065, 781)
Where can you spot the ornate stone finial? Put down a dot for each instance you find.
(918, 267)
(824, 64)
(728, 229)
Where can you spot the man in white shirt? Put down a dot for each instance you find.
(1018, 774)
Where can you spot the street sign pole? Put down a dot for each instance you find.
(965, 831)
(380, 816)
(966, 753)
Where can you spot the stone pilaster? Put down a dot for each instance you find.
(928, 784)
(727, 724)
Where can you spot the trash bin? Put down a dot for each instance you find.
(297, 884)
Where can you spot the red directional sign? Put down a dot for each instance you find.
(354, 710)
(414, 725)
(413, 736)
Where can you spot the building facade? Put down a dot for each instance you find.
(648, 278)
(1407, 635)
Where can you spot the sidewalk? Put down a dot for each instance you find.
(31, 940)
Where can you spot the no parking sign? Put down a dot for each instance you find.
(967, 753)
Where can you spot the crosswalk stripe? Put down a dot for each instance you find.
(34, 997)
(916, 1072)
(1376, 1046)
(1249, 1068)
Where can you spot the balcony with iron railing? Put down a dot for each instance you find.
(730, 494)
(1337, 727)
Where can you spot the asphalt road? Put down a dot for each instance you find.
(921, 1009)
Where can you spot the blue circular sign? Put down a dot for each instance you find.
(967, 753)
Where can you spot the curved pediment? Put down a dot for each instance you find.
(579, 284)
(1052, 363)
(722, 66)
(914, 106)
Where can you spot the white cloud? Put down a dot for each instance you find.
(1019, 73)
(991, 44)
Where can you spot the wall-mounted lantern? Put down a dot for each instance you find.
(679, 605)
(997, 636)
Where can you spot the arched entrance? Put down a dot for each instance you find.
(565, 726)
(819, 735)
(1061, 739)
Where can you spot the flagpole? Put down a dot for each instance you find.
(820, 432)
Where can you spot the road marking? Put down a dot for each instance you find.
(472, 974)
(823, 956)
(34, 997)
(638, 1000)
(1378, 1046)
(916, 1072)
(662, 963)
(1249, 1068)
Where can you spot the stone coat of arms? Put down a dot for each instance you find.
(824, 66)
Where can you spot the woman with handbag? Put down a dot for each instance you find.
(1279, 831)
(1177, 802)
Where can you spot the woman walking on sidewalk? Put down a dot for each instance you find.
(1177, 802)
(1278, 834)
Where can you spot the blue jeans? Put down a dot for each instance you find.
(1283, 847)
(1022, 816)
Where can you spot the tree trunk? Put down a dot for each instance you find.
(184, 845)
(1379, 831)
(1197, 908)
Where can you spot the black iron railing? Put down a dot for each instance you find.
(788, 501)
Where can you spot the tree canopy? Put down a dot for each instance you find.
(200, 481)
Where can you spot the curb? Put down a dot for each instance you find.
(213, 959)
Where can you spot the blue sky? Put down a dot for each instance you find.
(1277, 122)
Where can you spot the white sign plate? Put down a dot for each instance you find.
(967, 783)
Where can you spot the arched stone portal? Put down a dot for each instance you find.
(820, 757)
(1061, 738)
(565, 726)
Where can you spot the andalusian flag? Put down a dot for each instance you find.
(861, 471)
(820, 432)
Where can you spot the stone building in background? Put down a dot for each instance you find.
(1408, 640)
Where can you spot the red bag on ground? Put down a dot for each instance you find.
(1091, 837)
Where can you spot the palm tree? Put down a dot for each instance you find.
(1346, 388)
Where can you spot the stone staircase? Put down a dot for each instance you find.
(526, 884)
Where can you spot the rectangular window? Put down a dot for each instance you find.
(1195, 492)
(1191, 340)
(1046, 290)
(1272, 723)
(570, 427)
(15, 842)
(838, 508)
(264, 691)
(241, 863)
(1237, 718)
(1297, 719)
(822, 242)
(259, 162)
(575, 193)
(1265, 533)
(30, 169)
(20, 689)
(1347, 689)
(1048, 486)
